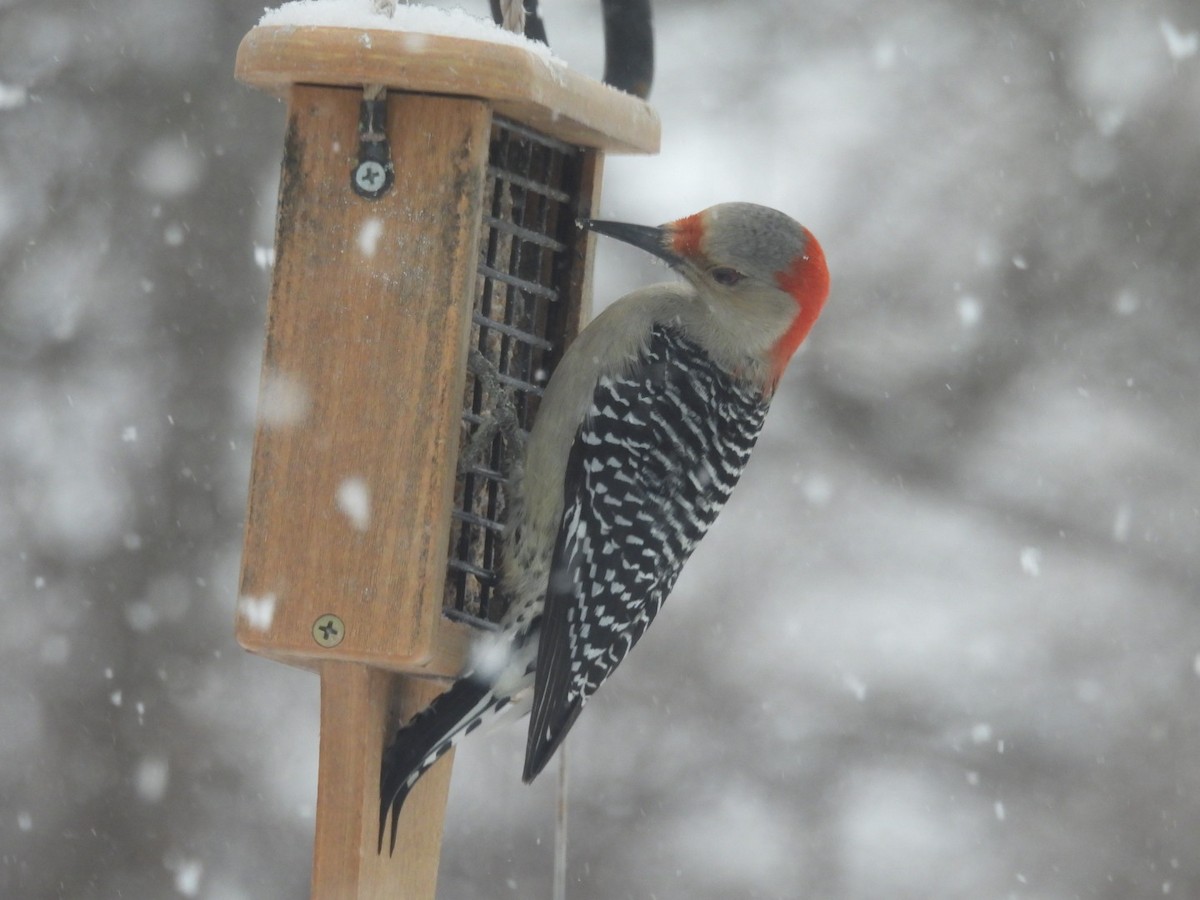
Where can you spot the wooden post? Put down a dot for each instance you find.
(354, 466)
(355, 725)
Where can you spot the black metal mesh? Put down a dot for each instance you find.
(526, 251)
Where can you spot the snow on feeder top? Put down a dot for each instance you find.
(433, 169)
(434, 51)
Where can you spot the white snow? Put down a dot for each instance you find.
(257, 612)
(151, 777)
(1122, 520)
(420, 19)
(1121, 66)
(368, 236)
(970, 311)
(12, 96)
(169, 168)
(264, 257)
(1031, 561)
(855, 686)
(825, 562)
(354, 500)
(884, 54)
(1179, 45)
(818, 489)
(187, 874)
(1127, 303)
(284, 400)
(490, 653)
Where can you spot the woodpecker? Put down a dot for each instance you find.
(641, 435)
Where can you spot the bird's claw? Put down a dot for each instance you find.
(498, 417)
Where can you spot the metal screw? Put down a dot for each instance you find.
(328, 630)
(370, 177)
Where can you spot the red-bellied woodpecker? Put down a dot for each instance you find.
(643, 432)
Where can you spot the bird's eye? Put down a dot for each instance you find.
(726, 276)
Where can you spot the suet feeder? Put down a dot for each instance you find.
(427, 205)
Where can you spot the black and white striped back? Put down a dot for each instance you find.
(654, 461)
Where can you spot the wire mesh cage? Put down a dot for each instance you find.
(527, 253)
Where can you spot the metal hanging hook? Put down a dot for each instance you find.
(628, 38)
(373, 171)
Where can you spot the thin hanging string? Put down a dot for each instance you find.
(520, 18)
(383, 8)
(512, 16)
(560, 828)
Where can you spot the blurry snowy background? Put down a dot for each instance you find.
(944, 643)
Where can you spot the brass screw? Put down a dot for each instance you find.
(328, 630)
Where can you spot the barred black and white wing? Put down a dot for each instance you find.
(653, 462)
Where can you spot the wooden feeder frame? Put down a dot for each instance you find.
(360, 533)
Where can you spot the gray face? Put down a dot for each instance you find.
(756, 240)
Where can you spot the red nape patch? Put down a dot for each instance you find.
(686, 234)
(807, 280)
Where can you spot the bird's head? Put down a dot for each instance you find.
(761, 273)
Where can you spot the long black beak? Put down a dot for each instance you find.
(655, 241)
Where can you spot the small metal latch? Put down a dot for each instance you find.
(373, 172)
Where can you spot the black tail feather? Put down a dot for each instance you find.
(420, 743)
